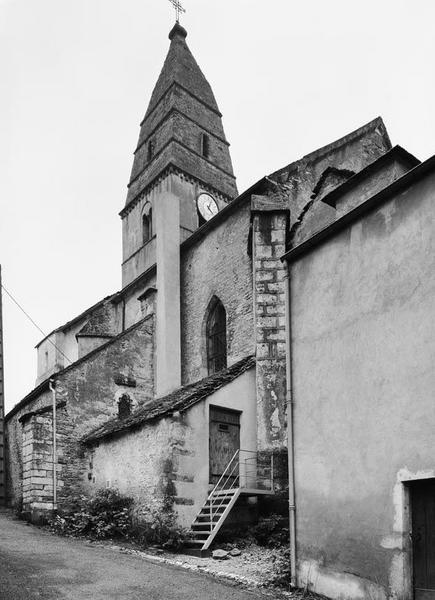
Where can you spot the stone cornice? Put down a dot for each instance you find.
(180, 143)
(169, 169)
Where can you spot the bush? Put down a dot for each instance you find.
(109, 515)
(280, 574)
(106, 515)
(160, 528)
(271, 531)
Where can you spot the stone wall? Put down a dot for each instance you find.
(37, 452)
(14, 446)
(90, 389)
(350, 154)
(270, 226)
(217, 265)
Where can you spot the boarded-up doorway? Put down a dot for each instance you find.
(423, 538)
(224, 441)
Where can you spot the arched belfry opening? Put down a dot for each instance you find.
(147, 225)
(216, 333)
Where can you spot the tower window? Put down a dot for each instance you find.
(205, 145)
(216, 338)
(150, 153)
(124, 406)
(147, 226)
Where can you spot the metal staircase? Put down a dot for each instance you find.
(246, 474)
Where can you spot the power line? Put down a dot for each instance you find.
(35, 324)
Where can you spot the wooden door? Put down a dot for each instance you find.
(423, 538)
(224, 441)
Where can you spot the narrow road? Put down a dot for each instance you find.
(37, 565)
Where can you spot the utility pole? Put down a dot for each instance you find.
(2, 404)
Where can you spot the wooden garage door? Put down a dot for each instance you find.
(224, 440)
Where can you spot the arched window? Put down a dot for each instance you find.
(205, 145)
(124, 406)
(217, 338)
(147, 226)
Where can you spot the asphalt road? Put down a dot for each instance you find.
(35, 564)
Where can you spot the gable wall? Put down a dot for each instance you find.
(363, 343)
(353, 156)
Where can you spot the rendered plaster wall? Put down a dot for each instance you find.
(47, 358)
(371, 185)
(165, 463)
(238, 395)
(363, 342)
(138, 463)
(217, 265)
(133, 312)
(61, 347)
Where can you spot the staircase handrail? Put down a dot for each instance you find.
(215, 489)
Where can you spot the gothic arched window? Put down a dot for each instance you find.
(216, 338)
(124, 406)
(147, 226)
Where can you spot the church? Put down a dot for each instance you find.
(270, 350)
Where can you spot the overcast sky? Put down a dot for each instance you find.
(76, 77)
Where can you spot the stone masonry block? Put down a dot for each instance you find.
(267, 322)
(276, 310)
(273, 287)
(262, 351)
(274, 335)
(266, 299)
(263, 252)
(265, 276)
(271, 264)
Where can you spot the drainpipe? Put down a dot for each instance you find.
(290, 434)
(53, 395)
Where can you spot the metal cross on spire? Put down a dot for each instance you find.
(178, 8)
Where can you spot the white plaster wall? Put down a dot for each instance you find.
(237, 395)
(363, 353)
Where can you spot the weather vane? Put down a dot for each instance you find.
(178, 8)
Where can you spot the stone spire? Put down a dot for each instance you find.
(182, 127)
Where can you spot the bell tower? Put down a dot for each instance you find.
(182, 176)
(182, 139)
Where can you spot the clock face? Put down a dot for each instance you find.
(207, 206)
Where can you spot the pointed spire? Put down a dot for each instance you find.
(181, 112)
(181, 67)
